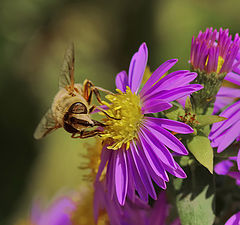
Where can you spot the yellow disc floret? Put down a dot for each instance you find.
(125, 107)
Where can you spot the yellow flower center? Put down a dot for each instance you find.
(126, 109)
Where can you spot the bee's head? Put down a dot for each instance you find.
(78, 116)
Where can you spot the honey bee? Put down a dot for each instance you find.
(71, 106)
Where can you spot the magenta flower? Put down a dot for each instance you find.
(234, 220)
(226, 167)
(213, 51)
(136, 147)
(58, 213)
(135, 211)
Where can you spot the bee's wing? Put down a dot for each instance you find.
(66, 77)
(46, 125)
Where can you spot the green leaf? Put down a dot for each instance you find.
(201, 148)
(208, 119)
(174, 112)
(194, 196)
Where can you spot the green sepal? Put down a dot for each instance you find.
(174, 112)
(205, 120)
(201, 148)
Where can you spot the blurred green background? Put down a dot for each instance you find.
(33, 37)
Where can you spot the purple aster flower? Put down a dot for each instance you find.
(135, 211)
(213, 56)
(58, 213)
(226, 167)
(234, 220)
(213, 51)
(136, 147)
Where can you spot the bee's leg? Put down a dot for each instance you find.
(97, 123)
(92, 109)
(87, 92)
(89, 89)
(74, 135)
(86, 134)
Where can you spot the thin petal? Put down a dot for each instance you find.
(151, 157)
(121, 176)
(233, 77)
(178, 172)
(140, 187)
(111, 174)
(105, 156)
(231, 134)
(171, 81)
(121, 81)
(142, 171)
(159, 180)
(174, 94)
(172, 125)
(157, 74)
(234, 220)
(166, 138)
(137, 68)
(231, 113)
(158, 148)
(155, 105)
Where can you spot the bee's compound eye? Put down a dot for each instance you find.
(78, 108)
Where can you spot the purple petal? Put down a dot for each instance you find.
(178, 172)
(172, 125)
(98, 204)
(137, 68)
(121, 81)
(166, 138)
(111, 174)
(229, 92)
(121, 176)
(233, 77)
(159, 149)
(160, 210)
(234, 220)
(155, 105)
(151, 157)
(140, 187)
(231, 134)
(160, 71)
(223, 167)
(142, 171)
(231, 113)
(105, 156)
(176, 93)
(171, 81)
